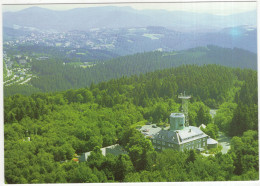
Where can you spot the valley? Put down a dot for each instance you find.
(56, 70)
(125, 41)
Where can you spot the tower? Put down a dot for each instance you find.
(177, 121)
(185, 101)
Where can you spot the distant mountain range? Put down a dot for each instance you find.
(124, 30)
(123, 17)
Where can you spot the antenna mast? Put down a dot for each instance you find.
(185, 109)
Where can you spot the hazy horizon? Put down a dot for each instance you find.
(214, 8)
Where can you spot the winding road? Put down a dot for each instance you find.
(224, 141)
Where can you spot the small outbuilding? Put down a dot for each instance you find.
(113, 149)
(212, 143)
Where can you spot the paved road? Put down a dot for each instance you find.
(25, 81)
(224, 141)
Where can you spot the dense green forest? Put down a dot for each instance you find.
(62, 124)
(55, 75)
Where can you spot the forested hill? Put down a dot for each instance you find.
(44, 131)
(147, 62)
(53, 75)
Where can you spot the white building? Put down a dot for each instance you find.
(180, 137)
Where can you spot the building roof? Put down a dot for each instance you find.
(167, 136)
(203, 126)
(181, 115)
(149, 130)
(189, 133)
(113, 149)
(211, 141)
(84, 156)
(185, 135)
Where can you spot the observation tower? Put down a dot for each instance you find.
(185, 109)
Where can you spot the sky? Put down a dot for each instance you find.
(217, 8)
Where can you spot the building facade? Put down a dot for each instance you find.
(179, 136)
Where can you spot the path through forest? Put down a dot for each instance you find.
(224, 141)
